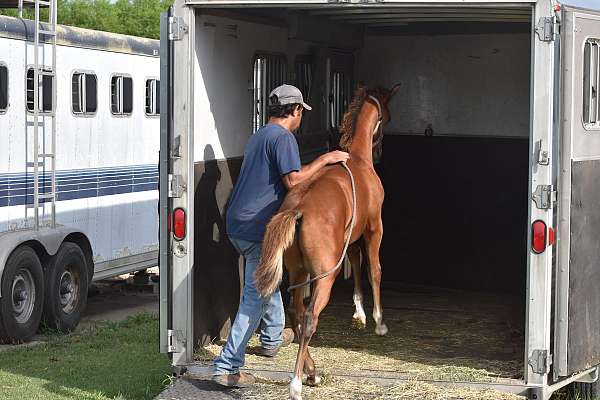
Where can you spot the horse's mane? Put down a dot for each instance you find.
(348, 124)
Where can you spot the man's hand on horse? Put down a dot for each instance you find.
(336, 156)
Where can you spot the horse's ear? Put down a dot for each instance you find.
(394, 89)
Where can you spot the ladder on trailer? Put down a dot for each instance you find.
(43, 161)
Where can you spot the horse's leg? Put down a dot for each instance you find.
(359, 318)
(297, 275)
(373, 236)
(319, 299)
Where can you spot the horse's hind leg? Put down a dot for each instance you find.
(373, 236)
(297, 318)
(359, 319)
(319, 300)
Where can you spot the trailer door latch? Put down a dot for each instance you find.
(177, 28)
(544, 197)
(176, 186)
(540, 362)
(545, 29)
(174, 341)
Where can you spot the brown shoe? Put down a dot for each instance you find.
(239, 380)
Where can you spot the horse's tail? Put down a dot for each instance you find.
(278, 237)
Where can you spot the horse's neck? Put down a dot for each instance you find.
(362, 142)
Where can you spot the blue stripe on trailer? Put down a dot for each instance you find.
(17, 188)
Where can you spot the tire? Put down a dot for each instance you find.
(66, 288)
(22, 300)
(584, 391)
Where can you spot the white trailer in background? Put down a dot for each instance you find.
(79, 142)
(496, 71)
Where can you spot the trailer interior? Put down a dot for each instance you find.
(454, 168)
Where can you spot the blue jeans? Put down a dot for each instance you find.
(254, 310)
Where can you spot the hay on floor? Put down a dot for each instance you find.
(433, 335)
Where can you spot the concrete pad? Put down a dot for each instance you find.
(115, 300)
(37, 339)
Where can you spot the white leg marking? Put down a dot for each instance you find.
(296, 389)
(381, 329)
(359, 315)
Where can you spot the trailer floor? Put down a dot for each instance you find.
(437, 340)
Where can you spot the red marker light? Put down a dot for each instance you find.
(538, 237)
(179, 224)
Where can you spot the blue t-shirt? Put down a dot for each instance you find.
(259, 191)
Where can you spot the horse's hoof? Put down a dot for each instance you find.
(381, 330)
(296, 389)
(359, 323)
(313, 380)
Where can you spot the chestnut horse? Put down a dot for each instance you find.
(310, 232)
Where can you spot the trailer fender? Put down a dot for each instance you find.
(49, 239)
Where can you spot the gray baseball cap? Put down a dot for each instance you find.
(287, 94)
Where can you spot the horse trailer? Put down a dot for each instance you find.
(490, 165)
(79, 128)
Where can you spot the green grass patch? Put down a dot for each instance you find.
(107, 361)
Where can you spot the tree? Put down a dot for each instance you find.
(131, 17)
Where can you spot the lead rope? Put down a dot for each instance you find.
(352, 220)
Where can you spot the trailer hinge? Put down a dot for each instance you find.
(540, 361)
(544, 197)
(174, 341)
(177, 28)
(176, 185)
(543, 156)
(546, 28)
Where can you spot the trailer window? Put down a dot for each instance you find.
(304, 71)
(3, 88)
(339, 97)
(152, 97)
(121, 95)
(591, 81)
(45, 79)
(269, 72)
(84, 90)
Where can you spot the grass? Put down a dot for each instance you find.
(118, 361)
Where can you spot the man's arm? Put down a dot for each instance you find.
(295, 177)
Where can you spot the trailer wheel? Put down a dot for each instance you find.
(66, 288)
(584, 391)
(22, 298)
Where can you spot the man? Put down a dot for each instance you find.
(271, 167)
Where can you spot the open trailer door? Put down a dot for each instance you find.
(176, 173)
(577, 322)
(163, 202)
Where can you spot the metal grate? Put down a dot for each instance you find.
(270, 71)
(339, 97)
(304, 76)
